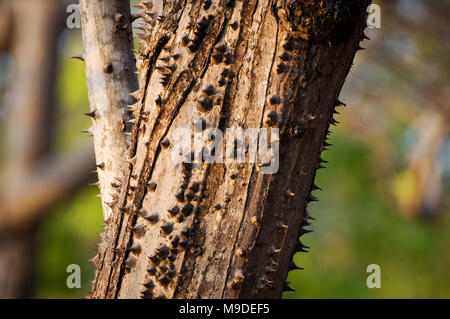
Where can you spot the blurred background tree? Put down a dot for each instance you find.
(35, 173)
(385, 198)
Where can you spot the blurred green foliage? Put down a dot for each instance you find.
(67, 237)
(356, 226)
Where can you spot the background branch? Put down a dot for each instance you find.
(110, 67)
(33, 178)
(50, 181)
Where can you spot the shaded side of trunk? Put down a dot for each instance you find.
(225, 230)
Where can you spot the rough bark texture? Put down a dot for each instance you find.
(110, 67)
(234, 230)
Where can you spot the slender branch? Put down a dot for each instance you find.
(49, 182)
(110, 67)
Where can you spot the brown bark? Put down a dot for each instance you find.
(269, 63)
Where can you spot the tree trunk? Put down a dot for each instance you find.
(225, 230)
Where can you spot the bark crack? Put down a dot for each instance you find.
(243, 215)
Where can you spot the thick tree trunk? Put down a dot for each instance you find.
(225, 230)
(110, 74)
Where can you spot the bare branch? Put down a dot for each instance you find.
(24, 201)
(110, 67)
